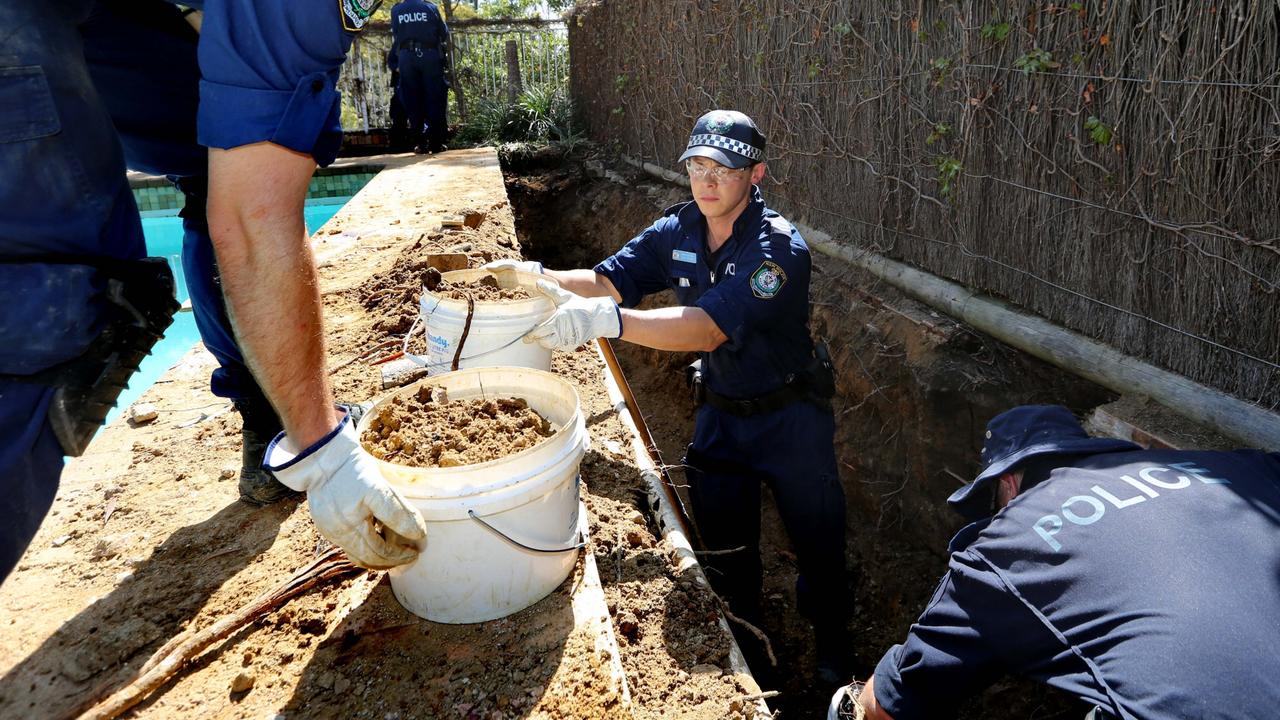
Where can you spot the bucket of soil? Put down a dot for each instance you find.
(474, 318)
(490, 458)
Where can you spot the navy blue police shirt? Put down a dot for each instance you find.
(418, 21)
(270, 72)
(1146, 583)
(755, 288)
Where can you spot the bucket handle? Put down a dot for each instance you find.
(430, 366)
(579, 543)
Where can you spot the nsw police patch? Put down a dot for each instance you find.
(355, 13)
(767, 280)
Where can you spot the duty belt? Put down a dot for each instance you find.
(415, 45)
(767, 403)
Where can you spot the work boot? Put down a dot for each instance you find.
(261, 425)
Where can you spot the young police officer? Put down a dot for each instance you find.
(1142, 581)
(741, 273)
(88, 85)
(420, 56)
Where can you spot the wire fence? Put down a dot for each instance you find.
(479, 61)
(1111, 166)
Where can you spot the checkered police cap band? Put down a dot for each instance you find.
(727, 143)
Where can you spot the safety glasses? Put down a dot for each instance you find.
(718, 173)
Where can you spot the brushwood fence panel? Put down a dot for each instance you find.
(479, 63)
(1111, 166)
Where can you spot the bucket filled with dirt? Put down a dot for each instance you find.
(475, 318)
(490, 458)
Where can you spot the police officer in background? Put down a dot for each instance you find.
(399, 139)
(420, 48)
(1142, 581)
(741, 274)
(239, 109)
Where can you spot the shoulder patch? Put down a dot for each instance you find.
(767, 280)
(355, 13)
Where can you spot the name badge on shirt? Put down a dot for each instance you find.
(684, 282)
(684, 256)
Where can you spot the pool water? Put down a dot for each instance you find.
(164, 239)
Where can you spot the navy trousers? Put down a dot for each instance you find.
(85, 88)
(423, 93)
(790, 450)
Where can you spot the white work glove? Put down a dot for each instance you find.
(347, 494)
(576, 320)
(502, 268)
(844, 703)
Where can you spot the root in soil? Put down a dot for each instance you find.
(423, 428)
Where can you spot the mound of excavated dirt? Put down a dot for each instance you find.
(424, 428)
(391, 298)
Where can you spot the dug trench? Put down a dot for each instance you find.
(914, 391)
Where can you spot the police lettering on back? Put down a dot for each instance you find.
(1123, 492)
(414, 17)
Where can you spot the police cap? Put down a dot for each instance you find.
(1017, 435)
(728, 137)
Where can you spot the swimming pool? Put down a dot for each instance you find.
(163, 232)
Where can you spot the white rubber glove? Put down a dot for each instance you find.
(576, 320)
(501, 268)
(347, 494)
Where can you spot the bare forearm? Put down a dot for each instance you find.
(587, 283)
(672, 328)
(269, 280)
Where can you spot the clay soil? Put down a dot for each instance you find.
(423, 429)
(147, 539)
(485, 288)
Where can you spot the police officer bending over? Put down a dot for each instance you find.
(87, 86)
(741, 273)
(1141, 581)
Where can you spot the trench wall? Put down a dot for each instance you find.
(1111, 166)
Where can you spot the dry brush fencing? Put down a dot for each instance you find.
(1111, 166)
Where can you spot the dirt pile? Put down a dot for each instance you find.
(424, 428)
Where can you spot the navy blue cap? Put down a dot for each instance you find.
(1022, 433)
(728, 137)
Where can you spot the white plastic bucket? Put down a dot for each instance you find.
(496, 335)
(503, 534)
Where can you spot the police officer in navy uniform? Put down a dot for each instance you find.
(741, 274)
(240, 109)
(421, 50)
(1142, 581)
